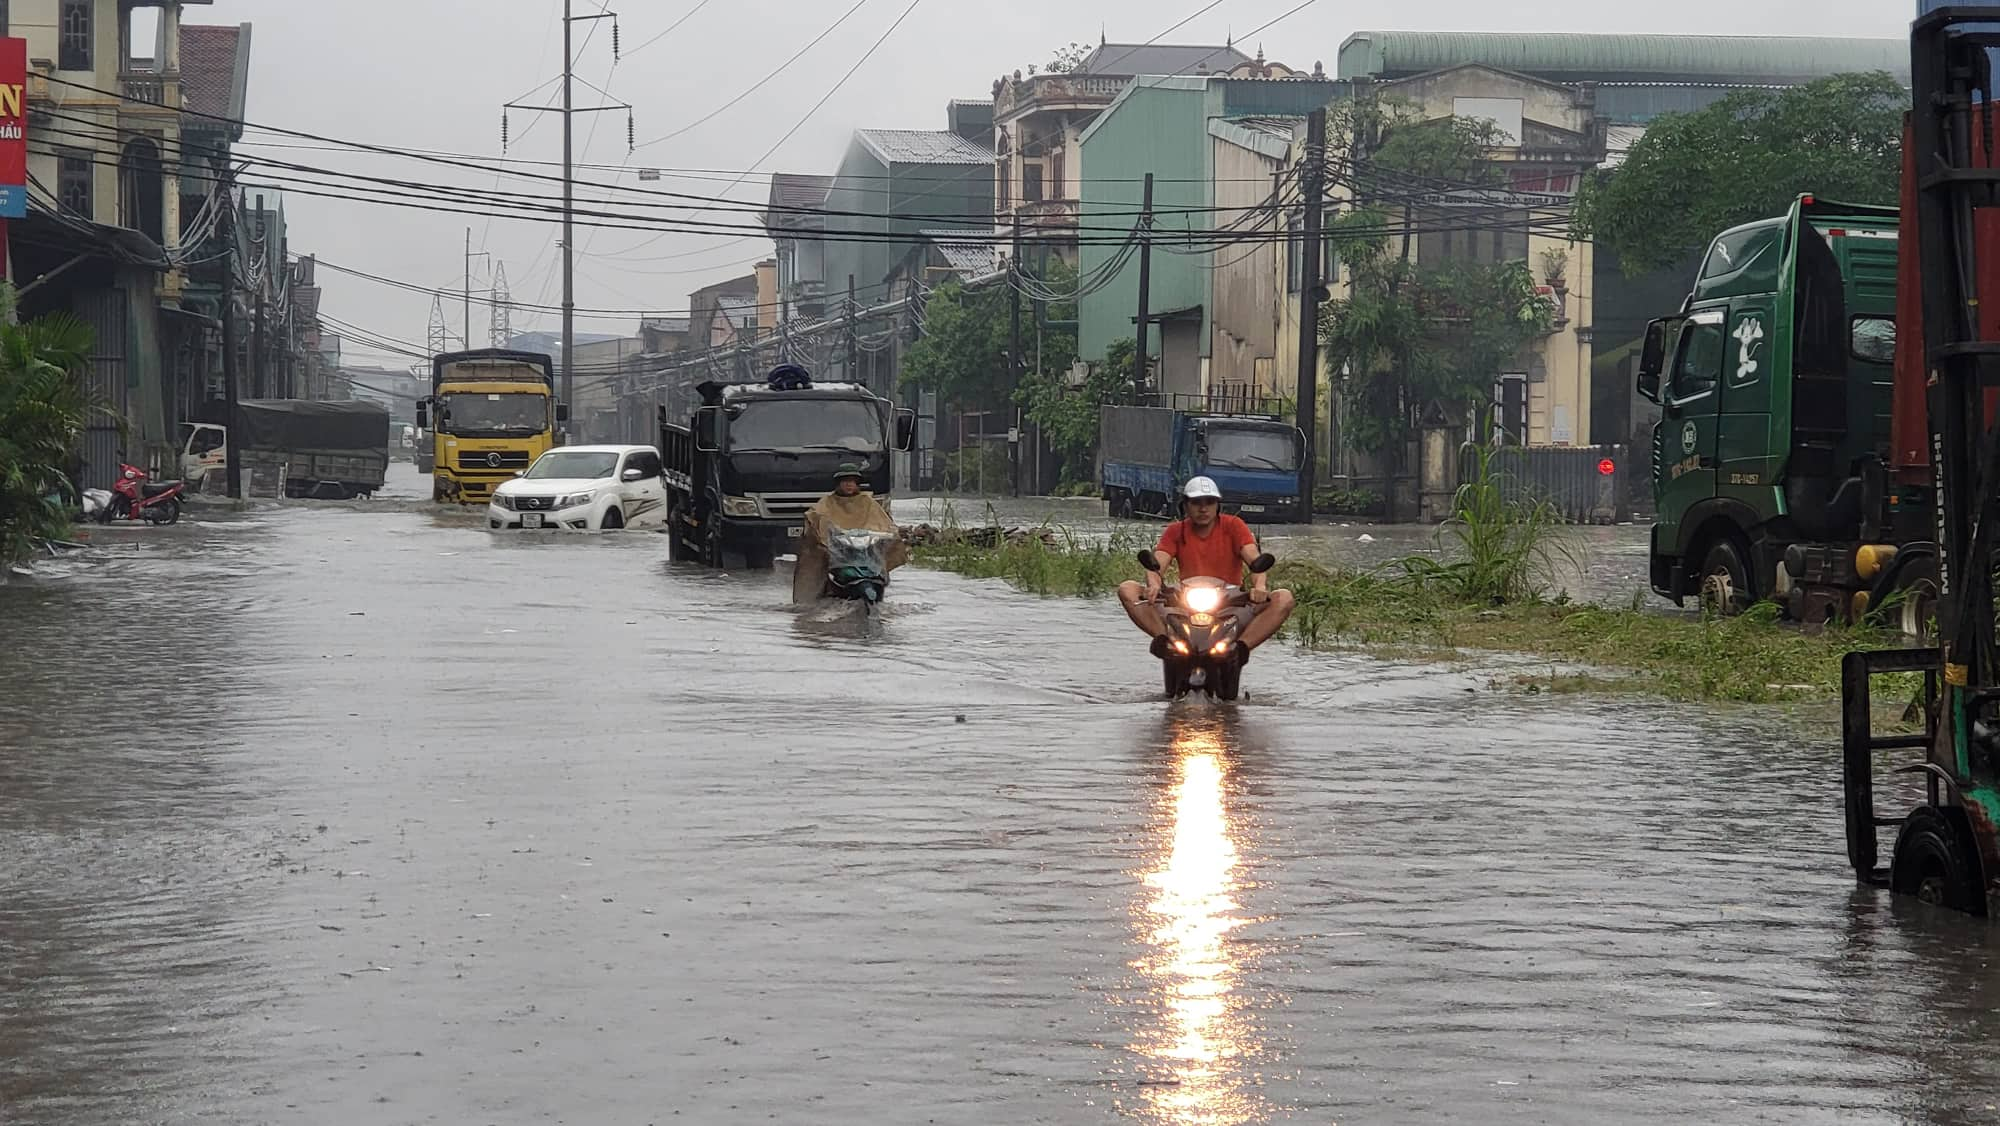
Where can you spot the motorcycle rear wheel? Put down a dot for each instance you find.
(166, 512)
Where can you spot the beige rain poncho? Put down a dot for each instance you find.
(836, 512)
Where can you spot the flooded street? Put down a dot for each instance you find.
(359, 814)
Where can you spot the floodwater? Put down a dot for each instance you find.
(359, 814)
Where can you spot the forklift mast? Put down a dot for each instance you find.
(1947, 851)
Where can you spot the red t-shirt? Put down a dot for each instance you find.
(1217, 555)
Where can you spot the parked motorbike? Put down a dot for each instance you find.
(1205, 620)
(135, 496)
(857, 566)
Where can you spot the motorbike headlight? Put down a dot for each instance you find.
(1221, 648)
(1203, 599)
(571, 500)
(739, 506)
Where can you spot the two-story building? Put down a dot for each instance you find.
(794, 221)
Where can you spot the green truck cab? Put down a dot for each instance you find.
(1776, 384)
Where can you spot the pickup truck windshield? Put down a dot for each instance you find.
(571, 465)
(505, 413)
(1253, 449)
(806, 424)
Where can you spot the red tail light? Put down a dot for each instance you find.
(1607, 467)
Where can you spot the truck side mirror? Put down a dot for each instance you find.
(708, 430)
(1651, 359)
(906, 429)
(423, 415)
(562, 412)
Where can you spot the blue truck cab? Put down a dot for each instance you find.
(1148, 453)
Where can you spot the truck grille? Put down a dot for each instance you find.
(494, 459)
(786, 506)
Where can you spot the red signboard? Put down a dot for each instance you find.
(13, 128)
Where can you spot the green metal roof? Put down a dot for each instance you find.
(1780, 60)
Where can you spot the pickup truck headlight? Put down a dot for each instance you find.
(572, 500)
(739, 506)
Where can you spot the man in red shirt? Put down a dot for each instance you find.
(1209, 544)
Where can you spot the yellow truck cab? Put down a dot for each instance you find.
(490, 414)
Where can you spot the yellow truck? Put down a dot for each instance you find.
(490, 414)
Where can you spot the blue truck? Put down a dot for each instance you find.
(1147, 453)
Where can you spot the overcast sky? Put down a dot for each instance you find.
(422, 74)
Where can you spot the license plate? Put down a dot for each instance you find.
(794, 532)
(531, 520)
(1253, 508)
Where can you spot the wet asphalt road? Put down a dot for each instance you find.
(402, 823)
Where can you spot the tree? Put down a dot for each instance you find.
(1068, 416)
(1694, 175)
(1067, 59)
(962, 354)
(43, 410)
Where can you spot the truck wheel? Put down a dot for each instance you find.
(758, 558)
(1725, 580)
(1918, 612)
(1935, 862)
(1121, 504)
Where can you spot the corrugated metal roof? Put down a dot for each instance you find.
(668, 324)
(1270, 137)
(922, 146)
(1159, 58)
(967, 259)
(1727, 58)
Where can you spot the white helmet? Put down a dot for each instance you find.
(1201, 488)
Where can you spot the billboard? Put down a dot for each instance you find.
(13, 128)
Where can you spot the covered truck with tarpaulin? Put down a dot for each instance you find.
(332, 450)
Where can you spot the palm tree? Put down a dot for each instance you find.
(43, 410)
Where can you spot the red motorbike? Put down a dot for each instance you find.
(135, 496)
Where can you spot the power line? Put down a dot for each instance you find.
(760, 83)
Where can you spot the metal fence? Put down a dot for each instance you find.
(1585, 484)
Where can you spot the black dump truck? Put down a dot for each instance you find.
(753, 457)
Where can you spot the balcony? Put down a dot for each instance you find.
(1055, 92)
(146, 89)
(1045, 214)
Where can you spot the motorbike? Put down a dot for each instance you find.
(857, 566)
(135, 496)
(1205, 619)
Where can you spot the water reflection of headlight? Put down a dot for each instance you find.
(1203, 1031)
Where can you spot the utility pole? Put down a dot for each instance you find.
(569, 110)
(1145, 287)
(232, 450)
(853, 320)
(1014, 358)
(1311, 292)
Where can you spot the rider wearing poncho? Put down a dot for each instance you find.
(846, 508)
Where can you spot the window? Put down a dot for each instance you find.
(646, 462)
(1058, 186)
(1471, 235)
(1031, 181)
(1003, 199)
(1698, 361)
(74, 186)
(1873, 339)
(77, 34)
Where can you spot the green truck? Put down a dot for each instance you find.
(1777, 472)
